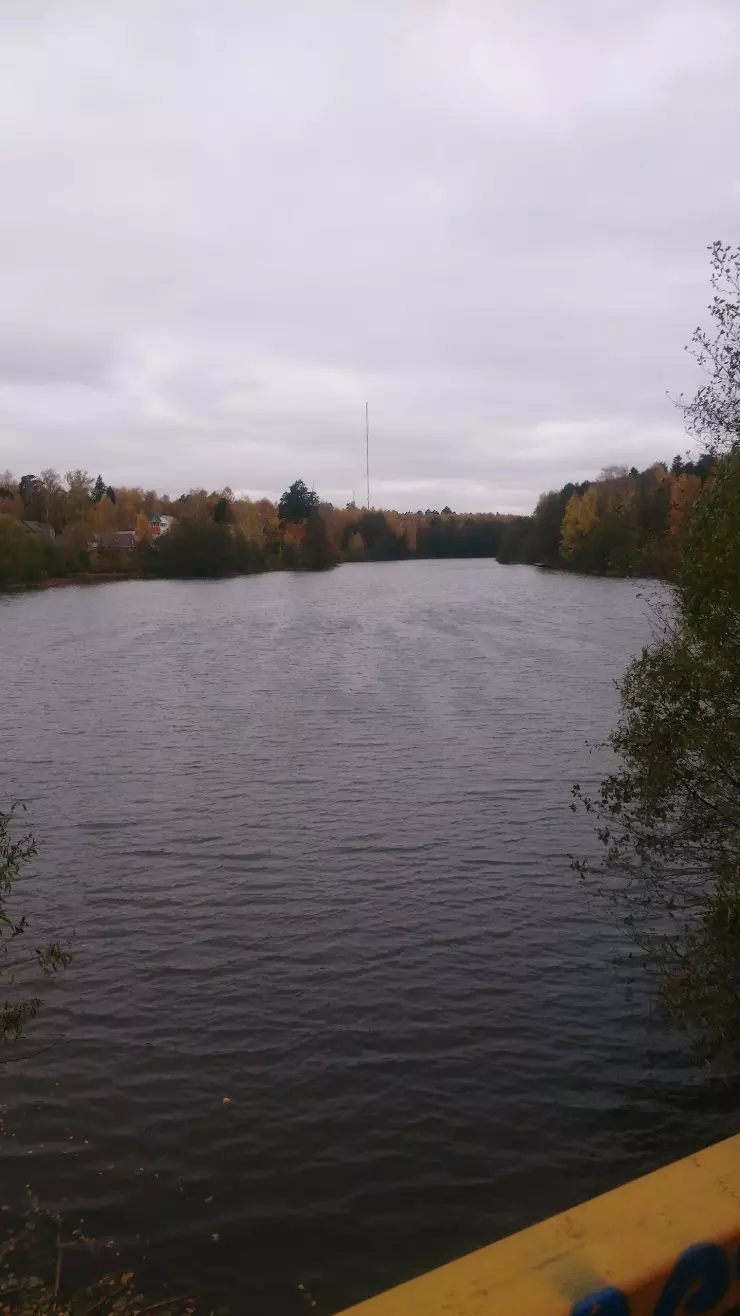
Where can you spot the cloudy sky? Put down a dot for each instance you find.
(225, 224)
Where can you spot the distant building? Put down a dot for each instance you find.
(38, 528)
(159, 525)
(124, 540)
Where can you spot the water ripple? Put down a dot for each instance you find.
(311, 834)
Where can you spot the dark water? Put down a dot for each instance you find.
(312, 835)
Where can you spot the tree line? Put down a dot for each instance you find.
(54, 528)
(627, 522)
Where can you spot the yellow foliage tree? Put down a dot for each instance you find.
(128, 503)
(79, 488)
(102, 518)
(141, 526)
(580, 517)
(684, 493)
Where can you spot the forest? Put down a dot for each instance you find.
(626, 522)
(53, 528)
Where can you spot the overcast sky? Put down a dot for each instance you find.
(225, 224)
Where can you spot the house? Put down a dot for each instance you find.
(160, 524)
(40, 529)
(122, 540)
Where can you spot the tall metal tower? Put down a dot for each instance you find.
(367, 455)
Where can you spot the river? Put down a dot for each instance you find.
(339, 1009)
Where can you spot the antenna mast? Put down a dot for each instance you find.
(367, 456)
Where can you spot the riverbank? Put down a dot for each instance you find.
(80, 578)
(105, 577)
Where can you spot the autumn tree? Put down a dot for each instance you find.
(620, 524)
(54, 497)
(103, 517)
(141, 526)
(685, 493)
(79, 490)
(128, 504)
(669, 815)
(195, 505)
(581, 515)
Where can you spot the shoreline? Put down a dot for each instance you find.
(81, 578)
(106, 577)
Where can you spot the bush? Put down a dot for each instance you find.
(22, 558)
(201, 549)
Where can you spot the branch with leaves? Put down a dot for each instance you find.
(668, 818)
(24, 968)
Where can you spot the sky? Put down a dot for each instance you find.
(225, 225)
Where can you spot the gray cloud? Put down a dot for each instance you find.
(224, 226)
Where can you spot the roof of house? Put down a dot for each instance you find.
(123, 539)
(38, 528)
